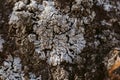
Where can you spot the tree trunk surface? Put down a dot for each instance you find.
(59, 39)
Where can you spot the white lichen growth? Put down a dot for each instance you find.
(33, 77)
(11, 69)
(1, 43)
(57, 38)
(109, 5)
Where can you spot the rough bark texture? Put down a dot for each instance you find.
(59, 39)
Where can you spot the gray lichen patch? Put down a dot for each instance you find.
(12, 70)
(1, 43)
(57, 38)
(109, 5)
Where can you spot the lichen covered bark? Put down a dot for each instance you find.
(60, 40)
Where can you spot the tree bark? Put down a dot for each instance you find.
(59, 39)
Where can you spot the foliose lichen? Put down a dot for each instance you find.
(57, 37)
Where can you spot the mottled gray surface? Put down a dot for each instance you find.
(59, 39)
